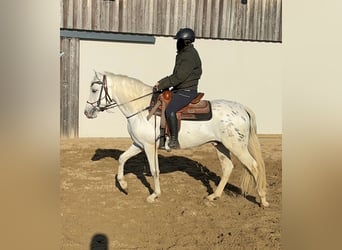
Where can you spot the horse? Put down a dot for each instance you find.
(232, 129)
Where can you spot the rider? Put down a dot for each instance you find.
(184, 80)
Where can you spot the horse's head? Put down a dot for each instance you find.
(99, 97)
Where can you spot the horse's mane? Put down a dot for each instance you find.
(133, 82)
(133, 87)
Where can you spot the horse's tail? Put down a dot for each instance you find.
(254, 149)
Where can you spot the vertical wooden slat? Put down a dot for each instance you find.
(199, 18)
(102, 17)
(243, 20)
(192, 8)
(116, 16)
(237, 20)
(160, 18)
(61, 12)
(174, 16)
(134, 13)
(278, 21)
(263, 16)
(63, 86)
(139, 12)
(105, 12)
(77, 14)
(231, 26)
(95, 17)
(258, 19)
(247, 20)
(266, 17)
(128, 15)
(150, 6)
(69, 87)
(190, 14)
(222, 19)
(124, 16)
(167, 18)
(68, 13)
(184, 10)
(86, 13)
(214, 18)
(251, 15)
(271, 24)
(208, 23)
(74, 90)
(228, 18)
(111, 17)
(178, 20)
(154, 6)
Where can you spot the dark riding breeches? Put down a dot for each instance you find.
(180, 98)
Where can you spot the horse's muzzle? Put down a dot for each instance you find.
(90, 114)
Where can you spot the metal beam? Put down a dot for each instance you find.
(107, 36)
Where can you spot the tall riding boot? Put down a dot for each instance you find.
(173, 125)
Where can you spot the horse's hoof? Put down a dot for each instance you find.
(265, 204)
(123, 184)
(151, 198)
(212, 197)
(209, 203)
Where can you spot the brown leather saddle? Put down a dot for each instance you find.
(198, 109)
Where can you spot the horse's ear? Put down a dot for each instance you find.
(96, 75)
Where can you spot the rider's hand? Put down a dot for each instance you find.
(156, 86)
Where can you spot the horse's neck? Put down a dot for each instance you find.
(129, 93)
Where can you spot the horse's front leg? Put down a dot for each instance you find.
(152, 157)
(129, 153)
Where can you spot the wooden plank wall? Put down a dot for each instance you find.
(258, 20)
(69, 87)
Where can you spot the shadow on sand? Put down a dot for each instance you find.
(168, 165)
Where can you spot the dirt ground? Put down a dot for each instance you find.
(91, 204)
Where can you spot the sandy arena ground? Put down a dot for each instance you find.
(92, 203)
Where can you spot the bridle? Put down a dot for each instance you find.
(110, 103)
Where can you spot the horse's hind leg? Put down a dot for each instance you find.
(249, 162)
(260, 185)
(227, 167)
(129, 153)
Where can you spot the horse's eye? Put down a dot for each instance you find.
(94, 90)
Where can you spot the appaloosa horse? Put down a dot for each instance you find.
(232, 129)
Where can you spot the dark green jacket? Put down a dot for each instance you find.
(187, 70)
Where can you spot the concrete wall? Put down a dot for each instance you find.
(247, 72)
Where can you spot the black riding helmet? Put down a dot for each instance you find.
(184, 37)
(186, 34)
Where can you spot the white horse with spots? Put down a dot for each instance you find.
(232, 128)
